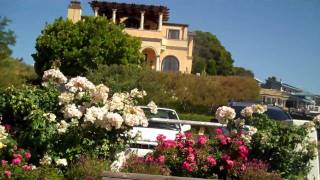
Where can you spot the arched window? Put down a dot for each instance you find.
(170, 63)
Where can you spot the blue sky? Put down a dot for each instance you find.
(271, 37)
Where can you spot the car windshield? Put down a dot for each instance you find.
(276, 114)
(162, 113)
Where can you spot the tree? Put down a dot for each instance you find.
(208, 47)
(240, 71)
(84, 45)
(212, 57)
(272, 83)
(7, 38)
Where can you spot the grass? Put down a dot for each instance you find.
(195, 117)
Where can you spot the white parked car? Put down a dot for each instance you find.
(148, 135)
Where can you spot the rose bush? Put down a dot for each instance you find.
(264, 149)
(66, 118)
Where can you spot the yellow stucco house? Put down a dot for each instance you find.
(166, 46)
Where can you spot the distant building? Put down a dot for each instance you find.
(166, 46)
(274, 97)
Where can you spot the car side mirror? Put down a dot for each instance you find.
(185, 127)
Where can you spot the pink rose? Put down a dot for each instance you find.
(202, 140)
(161, 137)
(188, 166)
(27, 155)
(3, 163)
(211, 161)
(225, 157)
(161, 159)
(189, 142)
(19, 156)
(188, 135)
(169, 144)
(230, 164)
(223, 139)
(238, 142)
(149, 158)
(243, 151)
(191, 158)
(16, 161)
(27, 167)
(219, 131)
(7, 174)
(179, 136)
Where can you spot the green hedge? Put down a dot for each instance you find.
(195, 117)
(184, 92)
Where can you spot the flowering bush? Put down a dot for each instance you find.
(237, 150)
(221, 156)
(67, 118)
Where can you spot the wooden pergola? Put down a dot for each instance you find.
(104, 8)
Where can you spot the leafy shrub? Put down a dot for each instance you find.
(135, 164)
(87, 168)
(259, 170)
(15, 73)
(184, 92)
(286, 148)
(84, 45)
(61, 121)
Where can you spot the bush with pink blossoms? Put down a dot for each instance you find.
(201, 157)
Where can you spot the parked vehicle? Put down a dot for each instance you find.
(273, 112)
(149, 134)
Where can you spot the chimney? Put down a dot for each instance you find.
(74, 11)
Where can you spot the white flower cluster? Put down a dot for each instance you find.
(62, 126)
(46, 160)
(54, 75)
(72, 111)
(224, 114)
(153, 107)
(50, 117)
(135, 93)
(79, 84)
(65, 98)
(134, 116)
(61, 162)
(117, 101)
(3, 136)
(94, 113)
(110, 113)
(259, 108)
(100, 94)
(248, 133)
(247, 111)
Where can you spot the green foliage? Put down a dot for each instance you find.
(7, 38)
(44, 173)
(84, 46)
(240, 71)
(87, 168)
(211, 57)
(24, 109)
(15, 73)
(195, 117)
(272, 83)
(208, 47)
(136, 164)
(285, 147)
(184, 92)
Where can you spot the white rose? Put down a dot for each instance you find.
(62, 162)
(153, 107)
